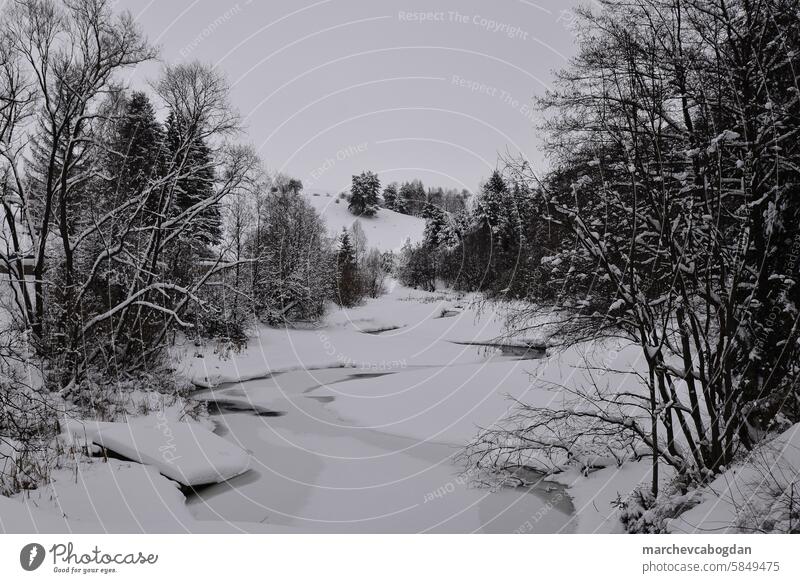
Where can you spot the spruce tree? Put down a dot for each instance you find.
(490, 211)
(438, 230)
(348, 284)
(137, 153)
(364, 194)
(390, 196)
(195, 181)
(413, 197)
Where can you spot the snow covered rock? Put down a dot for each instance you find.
(185, 452)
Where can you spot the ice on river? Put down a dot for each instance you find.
(317, 472)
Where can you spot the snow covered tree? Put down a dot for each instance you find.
(372, 273)
(295, 186)
(438, 229)
(416, 267)
(412, 198)
(390, 195)
(286, 184)
(137, 153)
(348, 281)
(491, 208)
(196, 184)
(292, 270)
(364, 194)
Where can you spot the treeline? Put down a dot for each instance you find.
(493, 243)
(409, 198)
(412, 198)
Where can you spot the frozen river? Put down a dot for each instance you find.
(315, 471)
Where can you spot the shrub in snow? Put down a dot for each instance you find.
(103, 399)
(28, 423)
(641, 513)
(417, 267)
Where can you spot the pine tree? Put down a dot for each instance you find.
(137, 153)
(390, 196)
(364, 194)
(348, 284)
(490, 211)
(413, 197)
(195, 181)
(438, 229)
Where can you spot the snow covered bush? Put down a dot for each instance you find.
(416, 267)
(103, 399)
(28, 424)
(588, 429)
(641, 513)
(373, 273)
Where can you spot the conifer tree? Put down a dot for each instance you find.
(438, 230)
(348, 285)
(137, 153)
(195, 181)
(390, 196)
(364, 194)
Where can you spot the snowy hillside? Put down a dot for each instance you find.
(387, 230)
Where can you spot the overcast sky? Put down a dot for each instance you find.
(329, 88)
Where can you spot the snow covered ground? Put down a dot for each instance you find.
(387, 230)
(760, 494)
(396, 380)
(110, 496)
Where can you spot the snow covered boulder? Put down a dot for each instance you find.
(185, 452)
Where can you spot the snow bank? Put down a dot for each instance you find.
(595, 495)
(756, 495)
(184, 452)
(20, 517)
(114, 497)
(110, 497)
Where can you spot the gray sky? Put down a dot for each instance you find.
(329, 88)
